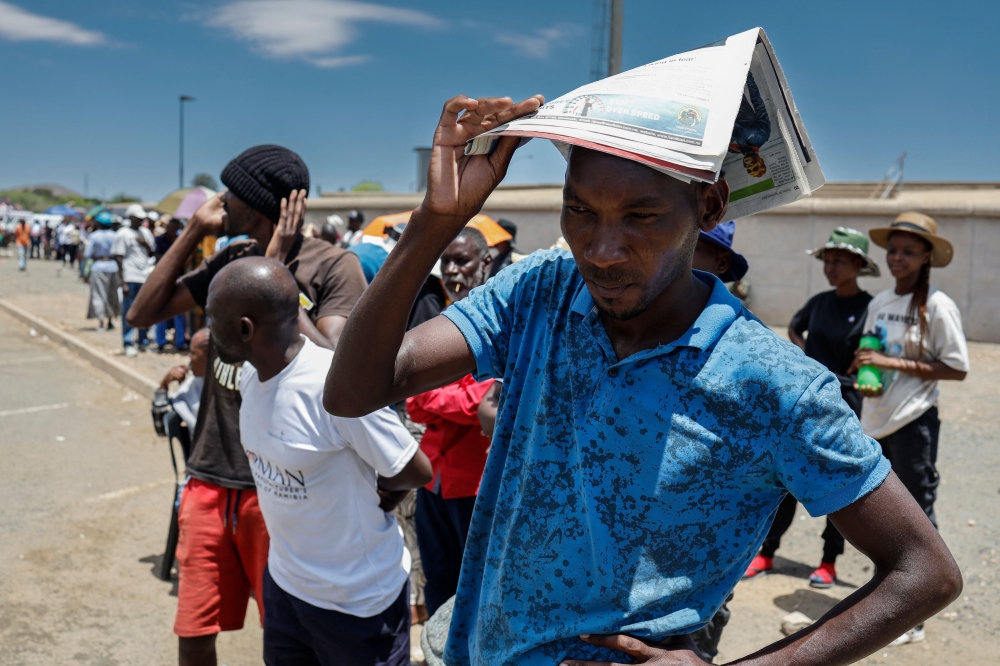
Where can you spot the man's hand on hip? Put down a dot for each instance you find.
(675, 651)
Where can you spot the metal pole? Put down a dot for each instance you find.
(183, 98)
(180, 185)
(615, 46)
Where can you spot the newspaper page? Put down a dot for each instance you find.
(722, 109)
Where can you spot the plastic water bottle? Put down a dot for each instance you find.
(869, 376)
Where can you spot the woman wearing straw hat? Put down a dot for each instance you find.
(830, 322)
(920, 329)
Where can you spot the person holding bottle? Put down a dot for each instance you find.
(920, 330)
(827, 330)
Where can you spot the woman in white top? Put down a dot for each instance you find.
(920, 328)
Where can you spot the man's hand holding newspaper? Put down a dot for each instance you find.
(459, 184)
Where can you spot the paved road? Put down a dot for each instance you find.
(85, 490)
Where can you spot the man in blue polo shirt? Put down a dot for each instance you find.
(648, 429)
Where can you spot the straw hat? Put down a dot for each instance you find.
(920, 225)
(853, 241)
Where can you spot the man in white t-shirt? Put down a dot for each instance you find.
(133, 249)
(335, 587)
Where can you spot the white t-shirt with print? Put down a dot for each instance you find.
(331, 544)
(136, 259)
(905, 397)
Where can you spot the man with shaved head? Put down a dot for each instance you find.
(335, 586)
(222, 548)
(648, 428)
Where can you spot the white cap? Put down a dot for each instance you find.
(152, 215)
(135, 210)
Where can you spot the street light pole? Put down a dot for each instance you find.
(615, 41)
(184, 98)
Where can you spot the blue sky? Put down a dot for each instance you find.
(92, 87)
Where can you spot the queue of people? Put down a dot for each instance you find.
(560, 441)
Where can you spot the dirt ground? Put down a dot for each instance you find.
(86, 486)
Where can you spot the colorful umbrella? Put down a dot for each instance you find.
(64, 210)
(192, 202)
(485, 224)
(92, 213)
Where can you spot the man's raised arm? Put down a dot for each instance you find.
(162, 296)
(377, 362)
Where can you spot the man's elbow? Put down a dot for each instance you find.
(949, 584)
(344, 404)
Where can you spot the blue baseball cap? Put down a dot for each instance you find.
(104, 218)
(722, 236)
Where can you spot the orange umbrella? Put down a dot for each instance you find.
(381, 224)
(484, 224)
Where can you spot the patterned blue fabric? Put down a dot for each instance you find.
(629, 496)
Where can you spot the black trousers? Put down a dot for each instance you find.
(442, 527)
(912, 450)
(296, 632)
(833, 540)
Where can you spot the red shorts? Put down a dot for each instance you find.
(219, 560)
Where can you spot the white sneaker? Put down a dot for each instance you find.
(131, 351)
(914, 635)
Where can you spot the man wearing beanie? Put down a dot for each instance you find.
(223, 543)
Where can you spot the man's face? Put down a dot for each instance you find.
(711, 258)
(173, 226)
(632, 230)
(354, 222)
(840, 266)
(238, 218)
(135, 222)
(463, 268)
(199, 355)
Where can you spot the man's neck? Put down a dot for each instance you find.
(670, 314)
(271, 362)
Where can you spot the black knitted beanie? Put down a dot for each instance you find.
(264, 175)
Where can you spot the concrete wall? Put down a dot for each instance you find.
(782, 276)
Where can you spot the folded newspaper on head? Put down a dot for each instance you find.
(724, 109)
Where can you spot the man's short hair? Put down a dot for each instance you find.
(477, 238)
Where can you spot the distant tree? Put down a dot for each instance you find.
(367, 186)
(204, 180)
(124, 198)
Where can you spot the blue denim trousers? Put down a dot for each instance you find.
(180, 323)
(143, 333)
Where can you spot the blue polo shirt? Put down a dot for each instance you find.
(630, 496)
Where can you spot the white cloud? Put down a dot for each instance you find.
(540, 43)
(19, 25)
(310, 30)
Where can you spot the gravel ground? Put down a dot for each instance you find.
(86, 487)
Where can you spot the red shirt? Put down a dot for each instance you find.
(454, 440)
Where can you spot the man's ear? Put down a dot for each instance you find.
(722, 262)
(715, 201)
(247, 329)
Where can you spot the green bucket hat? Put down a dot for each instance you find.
(854, 242)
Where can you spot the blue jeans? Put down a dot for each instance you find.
(22, 257)
(296, 632)
(133, 291)
(179, 323)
